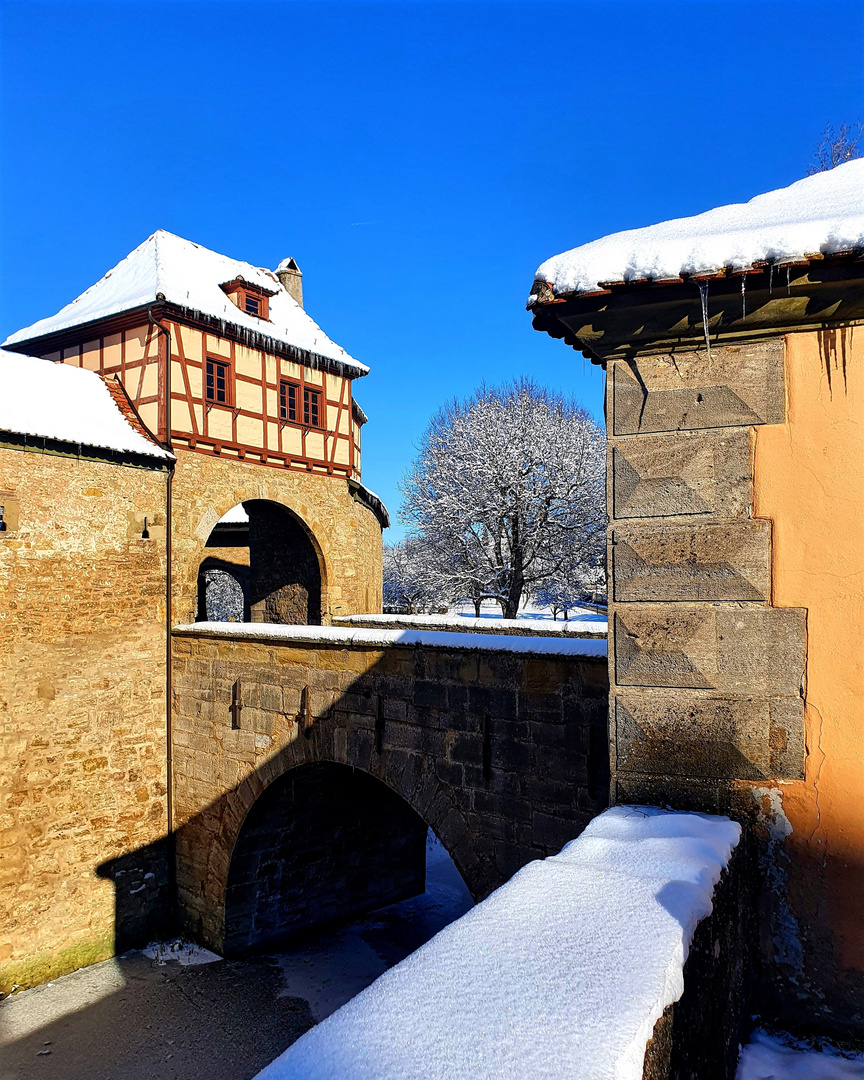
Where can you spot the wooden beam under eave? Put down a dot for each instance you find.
(666, 318)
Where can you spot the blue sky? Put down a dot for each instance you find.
(419, 160)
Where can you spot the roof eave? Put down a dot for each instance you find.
(744, 304)
(164, 308)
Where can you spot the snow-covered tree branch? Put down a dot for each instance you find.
(508, 492)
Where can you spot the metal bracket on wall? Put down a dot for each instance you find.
(236, 705)
(305, 715)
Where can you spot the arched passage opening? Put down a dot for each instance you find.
(260, 566)
(322, 843)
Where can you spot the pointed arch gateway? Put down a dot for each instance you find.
(262, 564)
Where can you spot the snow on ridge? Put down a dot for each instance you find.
(69, 404)
(823, 214)
(189, 275)
(375, 638)
(560, 973)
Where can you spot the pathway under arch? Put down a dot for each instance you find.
(322, 843)
(261, 564)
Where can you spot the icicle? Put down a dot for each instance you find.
(703, 292)
(771, 280)
(743, 296)
(788, 281)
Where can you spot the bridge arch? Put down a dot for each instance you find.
(323, 842)
(261, 563)
(219, 872)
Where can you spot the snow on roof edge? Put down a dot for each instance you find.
(56, 401)
(820, 214)
(188, 275)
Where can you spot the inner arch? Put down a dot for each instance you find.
(260, 566)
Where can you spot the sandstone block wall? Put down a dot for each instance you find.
(82, 702)
(503, 754)
(736, 486)
(344, 532)
(706, 673)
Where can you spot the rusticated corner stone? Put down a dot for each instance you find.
(705, 473)
(732, 386)
(691, 734)
(709, 562)
(741, 650)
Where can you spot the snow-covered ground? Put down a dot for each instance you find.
(768, 1057)
(167, 1013)
(560, 973)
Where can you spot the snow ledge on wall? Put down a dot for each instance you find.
(561, 973)
(342, 636)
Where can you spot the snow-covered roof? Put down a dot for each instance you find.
(561, 973)
(821, 214)
(167, 267)
(69, 404)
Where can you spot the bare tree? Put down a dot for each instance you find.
(837, 147)
(508, 490)
(411, 584)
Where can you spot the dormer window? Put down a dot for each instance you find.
(252, 299)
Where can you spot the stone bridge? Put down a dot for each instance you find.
(309, 762)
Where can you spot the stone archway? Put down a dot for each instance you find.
(208, 841)
(324, 842)
(261, 565)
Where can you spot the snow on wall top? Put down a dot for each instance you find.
(823, 213)
(190, 276)
(58, 401)
(375, 638)
(560, 973)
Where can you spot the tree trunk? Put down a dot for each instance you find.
(477, 604)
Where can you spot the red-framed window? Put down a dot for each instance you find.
(311, 407)
(253, 299)
(217, 381)
(300, 405)
(288, 393)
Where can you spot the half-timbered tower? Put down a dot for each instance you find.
(256, 403)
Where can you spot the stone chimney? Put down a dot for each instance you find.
(291, 276)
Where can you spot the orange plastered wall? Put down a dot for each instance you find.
(809, 480)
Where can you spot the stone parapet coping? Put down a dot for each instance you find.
(341, 637)
(463, 624)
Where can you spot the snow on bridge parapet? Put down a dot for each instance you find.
(592, 626)
(381, 638)
(562, 972)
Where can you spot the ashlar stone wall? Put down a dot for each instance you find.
(82, 703)
(706, 673)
